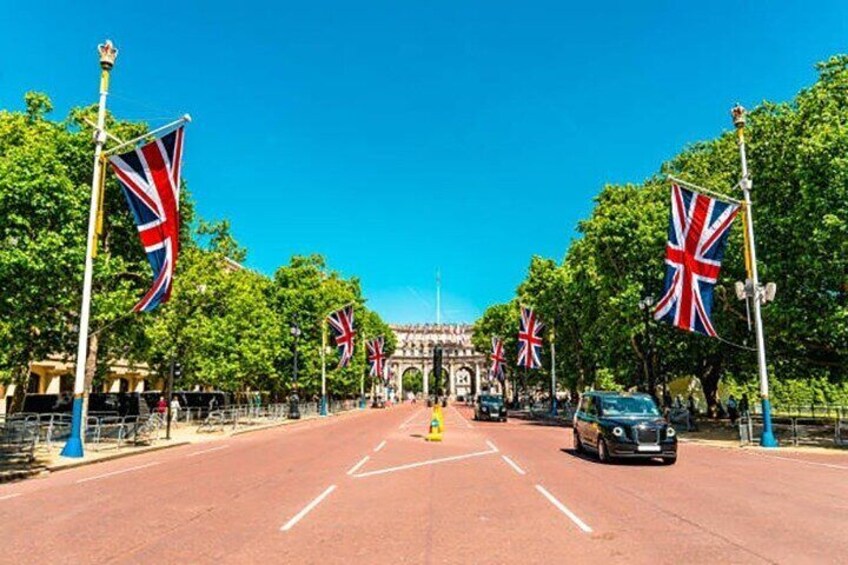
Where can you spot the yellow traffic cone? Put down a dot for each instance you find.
(437, 425)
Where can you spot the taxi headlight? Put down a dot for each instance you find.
(670, 432)
(484, 408)
(618, 431)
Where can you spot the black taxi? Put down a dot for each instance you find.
(623, 425)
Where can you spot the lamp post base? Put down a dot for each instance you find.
(362, 402)
(73, 447)
(323, 410)
(554, 407)
(767, 439)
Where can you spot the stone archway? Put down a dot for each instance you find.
(465, 382)
(412, 380)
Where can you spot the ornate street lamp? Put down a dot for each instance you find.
(294, 409)
(646, 305)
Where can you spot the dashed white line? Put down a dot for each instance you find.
(121, 472)
(211, 449)
(8, 496)
(300, 515)
(381, 446)
(423, 463)
(562, 508)
(356, 467)
(491, 445)
(408, 420)
(512, 464)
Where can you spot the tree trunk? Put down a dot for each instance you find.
(20, 380)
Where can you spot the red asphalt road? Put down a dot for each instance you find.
(305, 494)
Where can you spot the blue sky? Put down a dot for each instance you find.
(398, 138)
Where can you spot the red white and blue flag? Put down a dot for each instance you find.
(341, 322)
(150, 178)
(530, 340)
(496, 371)
(697, 236)
(376, 357)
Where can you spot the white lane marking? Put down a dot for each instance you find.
(423, 463)
(562, 508)
(381, 446)
(299, 516)
(512, 464)
(113, 473)
(831, 465)
(461, 417)
(491, 445)
(408, 420)
(356, 467)
(211, 449)
(8, 496)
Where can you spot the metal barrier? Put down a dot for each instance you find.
(801, 430)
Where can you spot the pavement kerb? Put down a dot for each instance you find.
(73, 464)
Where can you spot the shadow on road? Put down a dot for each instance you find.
(592, 459)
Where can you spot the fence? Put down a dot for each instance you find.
(798, 430)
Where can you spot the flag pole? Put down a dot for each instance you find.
(767, 439)
(323, 408)
(74, 445)
(553, 371)
(362, 380)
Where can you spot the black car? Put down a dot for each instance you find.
(490, 407)
(623, 425)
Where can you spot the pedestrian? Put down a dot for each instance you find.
(693, 411)
(161, 407)
(175, 408)
(731, 409)
(744, 406)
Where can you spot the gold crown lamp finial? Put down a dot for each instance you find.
(738, 113)
(108, 54)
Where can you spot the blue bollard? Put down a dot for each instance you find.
(73, 447)
(323, 411)
(767, 439)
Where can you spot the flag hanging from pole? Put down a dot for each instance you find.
(530, 340)
(341, 322)
(697, 235)
(376, 358)
(150, 178)
(496, 371)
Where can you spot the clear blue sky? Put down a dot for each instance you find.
(401, 137)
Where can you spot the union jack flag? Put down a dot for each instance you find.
(697, 235)
(150, 178)
(341, 323)
(530, 340)
(498, 360)
(376, 358)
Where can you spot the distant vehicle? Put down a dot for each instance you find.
(623, 425)
(378, 402)
(490, 407)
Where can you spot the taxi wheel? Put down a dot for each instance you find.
(603, 452)
(578, 445)
(669, 460)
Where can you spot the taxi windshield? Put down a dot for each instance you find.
(629, 406)
(489, 399)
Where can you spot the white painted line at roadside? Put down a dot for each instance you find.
(512, 464)
(491, 445)
(381, 446)
(805, 462)
(408, 420)
(8, 496)
(121, 472)
(423, 463)
(300, 515)
(461, 417)
(210, 450)
(356, 467)
(562, 508)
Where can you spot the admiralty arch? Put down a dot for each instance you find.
(464, 368)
